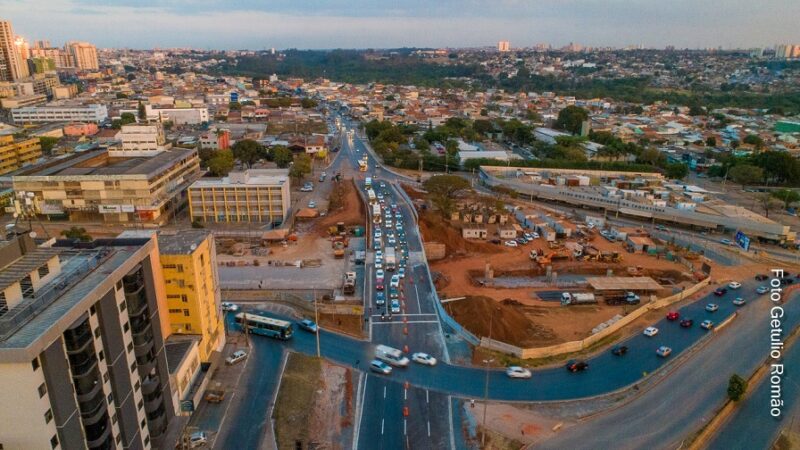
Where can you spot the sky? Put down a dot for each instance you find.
(325, 24)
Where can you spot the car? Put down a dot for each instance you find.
(312, 204)
(761, 277)
(379, 286)
(394, 207)
(534, 235)
(376, 244)
(786, 280)
(518, 372)
(719, 292)
(378, 234)
(395, 308)
(308, 187)
(379, 274)
(228, 306)
(235, 357)
(379, 263)
(577, 366)
(391, 240)
(511, 244)
(197, 439)
(650, 331)
(380, 298)
(383, 185)
(398, 226)
(379, 254)
(734, 285)
(673, 315)
(687, 323)
(388, 224)
(401, 272)
(379, 366)
(308, 325)
(660, 227)
(739, 301)
(706, 324)
(522, 241)
(619, 350)
(394, 293)
(395, 281)
(398, 216)
(711, 307)
(762, 290)
(423, 358)
(663, 351)
(725, 241)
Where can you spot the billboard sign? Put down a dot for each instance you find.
(742, 240)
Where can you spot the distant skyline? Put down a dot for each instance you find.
(322, 24)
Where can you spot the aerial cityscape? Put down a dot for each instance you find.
(370, 225)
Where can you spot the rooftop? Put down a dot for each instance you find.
(183, 243)
(99, 163)
(177, 347)
(624, 284)
(250, 177)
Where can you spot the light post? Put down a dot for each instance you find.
(316, 321)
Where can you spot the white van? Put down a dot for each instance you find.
(391, 355)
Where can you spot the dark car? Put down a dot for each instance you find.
(619, 350)
(577, 366)
(761, 277)
(686, 323)
(786, 280)
(720, 292)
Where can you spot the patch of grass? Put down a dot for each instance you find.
(496, 441)
(295, 400)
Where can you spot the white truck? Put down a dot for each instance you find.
(577, 298)
(376, 214)
(349, 286)
(390, 258)
(391, 356)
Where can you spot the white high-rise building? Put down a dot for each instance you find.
(12, 65)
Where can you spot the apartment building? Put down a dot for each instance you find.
(17, 153)
(254, 195)
(82, 346)
(139, 140)
(12, 65)
(84, 54)
(36, 114)
(96, 186)
(189, 264)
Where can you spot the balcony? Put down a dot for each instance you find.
(90, 407)
(81, 356)
(153, 402)
(150, 385)
(87, 387)
(96, 434)
(84, 369)
(76, 338)
(94, 416)
(137, 303)
(140, 327)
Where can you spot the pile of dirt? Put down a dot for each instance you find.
(509, 322)
(413, 194)
(344, 206)
(435, 229)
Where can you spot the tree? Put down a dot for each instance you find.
(301, 167)
(234, 106)
(754, 140)
(443, 189)
(711, 141)
(308, 103)
(78, 233)
(737, 386)
(142, 112)
(651, 156)
(787, 196)
(677, 171)
(282, 156)
(248, 151)
(571, 119)
(745, 174)
(47, 144)
(221, 163)
(769, 203)
(122, 95)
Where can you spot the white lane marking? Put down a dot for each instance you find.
(405, 394)
(400, 322)
(405, 427)
(359, 407)
(409, 315)
(427, 397)
(382, 426)
(429, 428)
(416, 291)
(384, 392)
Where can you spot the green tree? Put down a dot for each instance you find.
(787, 196)
(78, 233)
(677, 171)
(745, 174)
(308, 103)
(234, 106)
(221, 163)
(571, 119)
(651, 156)
(142, 112)
(754, 140)
(47, 144)
(482, 126)
(711, 141)
(443, 189)
(301, 167)
(737, 386)
(769, 203)
(248, 151)
(122, 95)
(282, 156)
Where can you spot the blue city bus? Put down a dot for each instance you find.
(266, 326)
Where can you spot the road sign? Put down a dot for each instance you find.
(742, 240)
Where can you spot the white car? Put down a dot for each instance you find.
(228, 306)
(534, 235)
(395, 281)
(379, 254)
(312, 204)
(650, 331)
(518, 372)
(511, 244)
(379, 274)
(379, 263)
(734, 285)
(378, 233)
(423, 358)
(198, 439)
(739, 301)
(235, 357)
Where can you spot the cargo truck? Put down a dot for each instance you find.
(390, 258)
(578, 298)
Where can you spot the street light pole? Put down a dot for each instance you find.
(316, 320)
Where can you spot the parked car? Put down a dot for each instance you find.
(518, 372)
(687, 323)
(380, 367)
(228, 306)
(619, 350)
(711, 307)
(235, 357)
(734, 285)
(423, 358)
(511, 244)
(577, 366)
(762, 290)
(312, 204)
(719, 292)
(739, 301)
(308, 325)
(706, 324)
(522, 241)
(663, 351)
(673, 315)
(761, 277)
(650, 331)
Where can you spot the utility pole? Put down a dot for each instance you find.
(316, 320)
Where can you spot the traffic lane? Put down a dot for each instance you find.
(422, 289)
(752, 426)
(428, 419)
(696, 389)
(382, 421)
(244, 424)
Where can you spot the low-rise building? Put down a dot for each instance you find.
(17, 153)
(80, 129)
(254, 195)
(140, 140)
(33, 114)
(474, 233)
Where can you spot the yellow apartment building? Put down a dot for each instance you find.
(15, 154)
(189, 264)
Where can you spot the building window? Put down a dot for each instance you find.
(106, 377)
(175, 311)
(48, 416)
(143, 424)
(114, 418)
(122, 306)
(130, 347)
(43, 271)
(35, 364)
(118, 439)
(180, 268)
(119, 285)
(92, 310)
(54, 441)
(42, 390)
(186, 312)
(146, 440)
(137, 386)
(101, 355)
(133, 367)
(184, 298)
(126, 327)
(97, 332)
(140, 405)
